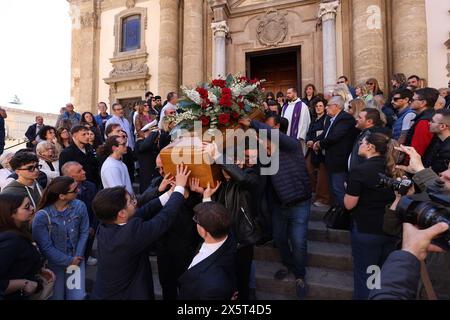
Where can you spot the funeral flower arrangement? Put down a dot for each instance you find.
(220, 103)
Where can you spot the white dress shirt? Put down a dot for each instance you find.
(205, 251)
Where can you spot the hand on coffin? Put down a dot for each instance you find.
(208, 193)
(166, 182)
(183, 173)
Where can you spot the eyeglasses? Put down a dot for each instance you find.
(397, 98)
(340, 82)
(31, 168)
(370, 83)
(195, 219)
(74, 190)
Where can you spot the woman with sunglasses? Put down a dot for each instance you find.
(374, 87)
(21, 260)
(61, 230)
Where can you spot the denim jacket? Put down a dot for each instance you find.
(53, 241)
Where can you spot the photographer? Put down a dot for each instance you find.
(438, 264)
(401, 272)
(370, 246)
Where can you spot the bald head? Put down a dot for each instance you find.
(74, 170)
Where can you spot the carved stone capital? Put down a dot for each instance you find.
(272, 28)
(220, 9)
(220, 29)
(328, 10)
(130, 4)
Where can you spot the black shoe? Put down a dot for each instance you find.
(281, 274)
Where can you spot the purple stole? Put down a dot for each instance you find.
(295, 117)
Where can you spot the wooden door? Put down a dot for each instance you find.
(280, 70)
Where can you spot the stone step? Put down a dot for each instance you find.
(324, 284)
(317, 231)
(320, 254)
(317, 213)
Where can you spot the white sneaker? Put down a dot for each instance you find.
(319, 204)
(91, 261)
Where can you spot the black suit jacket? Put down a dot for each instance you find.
(124, 271)
(31, 135)
(213, 278)
(339, 142)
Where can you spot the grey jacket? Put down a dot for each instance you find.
(33, 193)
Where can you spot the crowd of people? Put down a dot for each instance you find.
(73, 184)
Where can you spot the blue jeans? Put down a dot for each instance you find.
(67, 286)
(337, 187)
(290, 229)
(368, 250)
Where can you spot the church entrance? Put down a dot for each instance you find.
(281, 68)
(128, 105)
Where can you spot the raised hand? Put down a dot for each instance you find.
(165, 183)
(195, 186)
(208, 193)
(415, 160)
(183, 173)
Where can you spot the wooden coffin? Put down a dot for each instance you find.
(188, 150)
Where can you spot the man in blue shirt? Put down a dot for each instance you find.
(102, 117)
(71, 116)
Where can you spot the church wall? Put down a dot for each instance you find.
(107, 45)
(438, 23)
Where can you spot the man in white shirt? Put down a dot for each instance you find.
(298, 115)
(172, 99)
(114, 172)
(211, 275)
(119, 118)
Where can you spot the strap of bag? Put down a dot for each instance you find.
(49, 222)
(427, 282)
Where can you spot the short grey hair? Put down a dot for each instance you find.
(5, 158)
(44, 145)
(337, 100)
(66, 167)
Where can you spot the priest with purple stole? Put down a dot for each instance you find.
(298, 115)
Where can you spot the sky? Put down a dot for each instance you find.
(35, 51)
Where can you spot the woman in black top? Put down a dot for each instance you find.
(19, 256)
(316, 161)
(308, 96)
(367, 202)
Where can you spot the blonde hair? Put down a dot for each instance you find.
(5, 158)
(364, 89)
(357, 105)
(45, 145)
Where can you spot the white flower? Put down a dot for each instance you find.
(246, 90)
(192, 95)
(212, 97)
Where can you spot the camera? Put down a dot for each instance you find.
(401, 186)
(427, 213)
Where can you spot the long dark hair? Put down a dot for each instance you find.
(9, 203)
(385, 147)
(106, 149)
(59, 185)
(84, 122)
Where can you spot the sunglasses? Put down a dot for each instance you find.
(195, 219)
(31, 168)
(341, 82)
(397, 98)
(74, 190)
(370, 83)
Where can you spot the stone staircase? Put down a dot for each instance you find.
(329, 272)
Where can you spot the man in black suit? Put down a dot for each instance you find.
(125, 235)
(32, 132)
(211, 275)
(336, 144)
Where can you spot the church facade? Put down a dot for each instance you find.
(122, 48)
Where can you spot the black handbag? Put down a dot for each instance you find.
(337, 217)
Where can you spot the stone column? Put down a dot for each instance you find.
(220, 31)
(168, 48)
(369, 49)
(193, 42)
(327, 13)
(85, 49)
(409, 37)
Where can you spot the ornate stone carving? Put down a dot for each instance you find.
(129, 68)
(328, 10)
(130, 4)
(272, 28)
(220, 29)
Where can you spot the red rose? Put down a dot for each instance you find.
(225, 101)
(243, 79)
(226, 91)
(253, 81)
(219, 83)
(235, 115)
(203, 93)
(241, 105)
(224, 118)
(205, 120)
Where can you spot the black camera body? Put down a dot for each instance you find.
(401, 186)
(426, 213)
